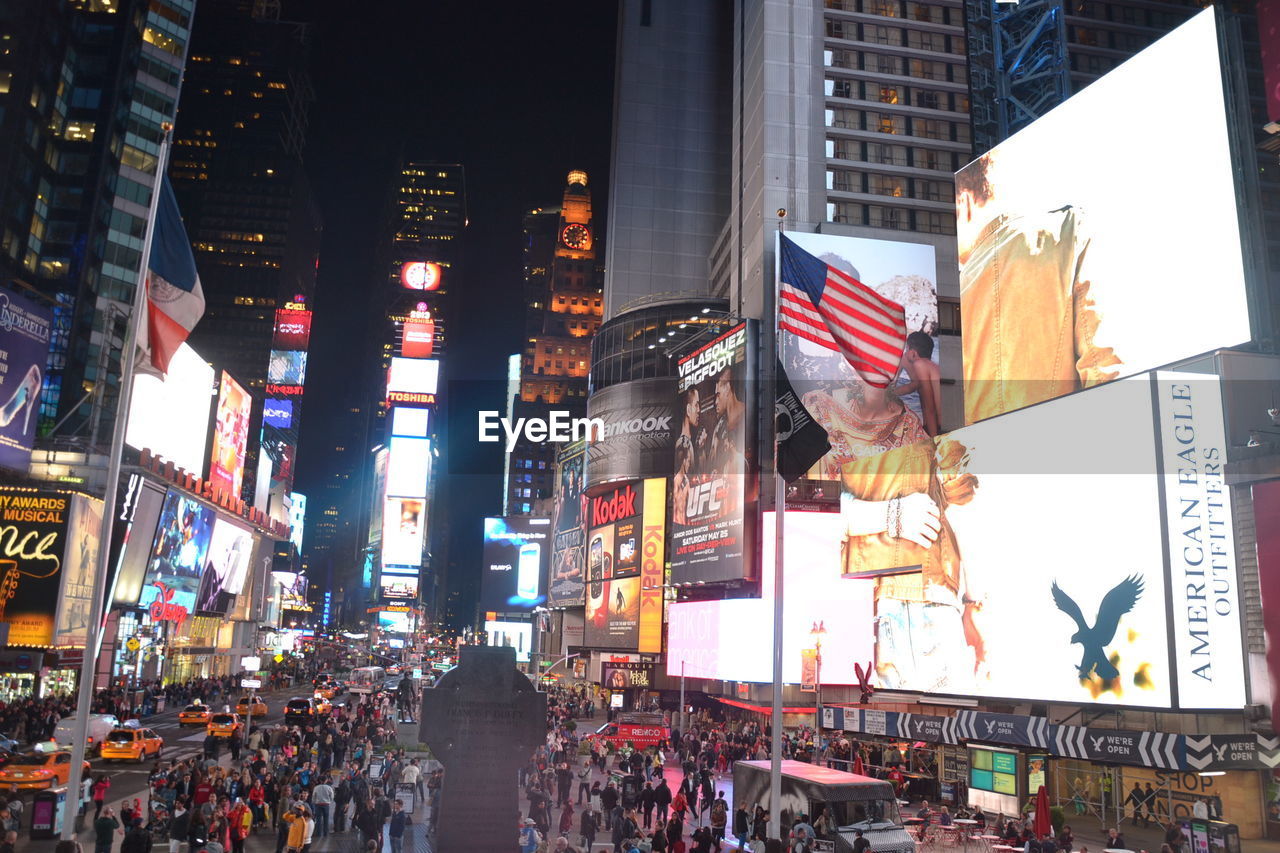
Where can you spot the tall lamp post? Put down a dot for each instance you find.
(816, 632)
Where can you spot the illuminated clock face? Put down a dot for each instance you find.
(576, 236)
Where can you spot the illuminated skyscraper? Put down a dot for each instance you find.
(563, 305)
(238, 173)
(85, 88)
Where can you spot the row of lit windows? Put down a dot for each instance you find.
(877, 216)
(932, 13)
(896, 186)
(886, 154)
(882, 63)
(924, 128)
(889, 93)
(895, 36)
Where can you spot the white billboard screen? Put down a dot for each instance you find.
(403, 530)
(517, 635)
(1082, 258)
(414, 375)
(171, 416)
(409, 466)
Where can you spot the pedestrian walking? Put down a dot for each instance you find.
(396, 826)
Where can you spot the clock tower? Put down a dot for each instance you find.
(565, 305)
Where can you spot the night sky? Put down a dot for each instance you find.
(517, 92)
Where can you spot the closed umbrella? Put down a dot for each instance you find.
(1043, 823)
(857, 765)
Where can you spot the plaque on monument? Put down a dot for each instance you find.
(482, 720)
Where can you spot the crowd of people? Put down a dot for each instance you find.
(581, 793)
(297, 782)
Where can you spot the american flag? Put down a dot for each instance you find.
(835, 310)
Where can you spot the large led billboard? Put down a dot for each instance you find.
(860, 419)
(177, 558)
(1071, 511)
(31, 572)
(517, 635)
(230, 436)
(569, 521)
(277, 413)
(297, 518)
(287, 367)
(75, 595)
(399, 586)
(409, 467)
(626, 548)
(24, 348)
(293, 329)
(420, 275)
(516, 552)
(732, 639)
(1081, 261)
(413, 381)
(403, 531)
(225, 569)
(711, 496)
(170, 416)
(418, 333)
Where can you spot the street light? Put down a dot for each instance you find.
(816, 631)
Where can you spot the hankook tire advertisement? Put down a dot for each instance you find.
(640, 421)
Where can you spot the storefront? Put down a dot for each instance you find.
(58, 682)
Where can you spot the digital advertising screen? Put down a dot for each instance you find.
(230, 436)
(860, 419)
(395, 621)
(24, 348)
(297, 518)
(225, 569)
(399, 586)
(711, 496)
(420, 275)
(403, 531)
(409, 467)
(626, 542)
(732, 639)
(413, 381)
(515, 556)
(35, 528)
(641, 422)
(613, 618)
(517, 635)
(569, 521)
(418, 334)
(293, 329)
(410, 423)
(170, 416)
(177, 563)
(293, 590)
(78, 566)
(139, 513)
(277, 413)
(1062, 286)
(287, 367)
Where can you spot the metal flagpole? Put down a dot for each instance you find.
(97, 611)
(779, 510)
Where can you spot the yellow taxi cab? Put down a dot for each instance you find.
(195, 715)
(35, 770)
(328, 689)
(258, 709)
(133, 744)
(323, 705)
(225, 725)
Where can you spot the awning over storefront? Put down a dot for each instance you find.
(1192, 753)
(767, 710)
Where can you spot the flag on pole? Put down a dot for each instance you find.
(175, 300)
(833, 309)
(802, 441)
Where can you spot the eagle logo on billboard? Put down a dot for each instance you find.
(1094, 639)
